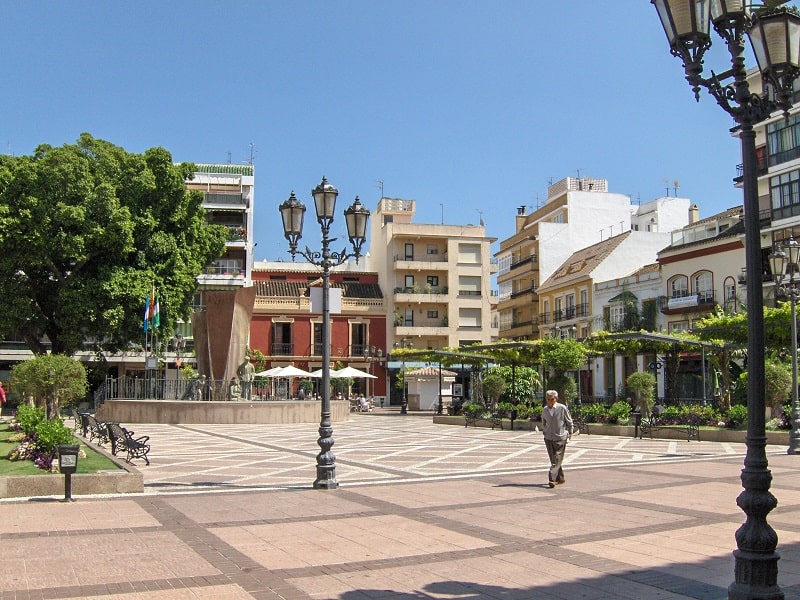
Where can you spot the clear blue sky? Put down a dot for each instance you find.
(463, 106)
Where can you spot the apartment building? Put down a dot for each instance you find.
(220, 327)
(437, 277)
(628, 303)
(569, 309)
(285, 329)
(778, 168)
(577, 213)
(702, 267)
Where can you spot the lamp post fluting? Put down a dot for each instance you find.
(785, 269)
(356, 217)
(687, 24)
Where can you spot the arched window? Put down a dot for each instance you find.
(729, 290)
(678, 286)
(703, 286)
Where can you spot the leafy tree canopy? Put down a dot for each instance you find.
(86, 231)
(52, 380)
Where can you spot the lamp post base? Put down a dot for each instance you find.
(762, 572)
(794, 437)
(326, 478)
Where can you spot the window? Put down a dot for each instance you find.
(433, 314)
(408, 320)
(783, 140)
(358, 339)
(469, 254)
(409, 251)
(678, 287)
(432, 250)
(703, 283)
(784, 191)
(432, 280)
(409, 281)
(469, 317)
(679, 326)
(469, 285)
(506, 289)
(729, 300)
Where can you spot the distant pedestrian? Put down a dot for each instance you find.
(2, 395)
(557, 429)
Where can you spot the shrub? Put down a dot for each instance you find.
(504, 407)
(473, 409)
(671, 415)
(29, 418)
(619, 412)
(703, 415)
(775, 424)
(536, 412)
(737, 416)
(50, 434)
(524, 411)
(594, 413)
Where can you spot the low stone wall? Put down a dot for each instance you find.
(777, 438)
(177, 411)
(127, 480)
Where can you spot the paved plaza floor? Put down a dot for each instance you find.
(422, 511)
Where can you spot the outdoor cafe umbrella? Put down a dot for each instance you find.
(351, 373)
(268, 372)
(290, 371)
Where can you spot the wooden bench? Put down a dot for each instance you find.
(94, 430)
(472, 419)
(655, 423)
(122, 438)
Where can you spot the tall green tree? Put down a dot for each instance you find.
(52, 380)
(87, 230)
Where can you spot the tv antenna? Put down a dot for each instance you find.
(480, 214)
(380, 186)
(252, 153)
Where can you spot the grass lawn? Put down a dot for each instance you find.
(92, 463)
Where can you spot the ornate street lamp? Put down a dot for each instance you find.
(784, 262)
(774, 35)
(356, 218)
(404, 343)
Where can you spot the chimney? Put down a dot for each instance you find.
(694, 214)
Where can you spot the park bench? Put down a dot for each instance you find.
(655, 423)
(472, 418)
(94, 430)
(124, 439)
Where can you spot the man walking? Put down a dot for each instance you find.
(557, 429)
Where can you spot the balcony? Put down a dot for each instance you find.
(689, 302)
(428, 262)
(523, 292)
(282, 349)
(434, 295)
(225, 199)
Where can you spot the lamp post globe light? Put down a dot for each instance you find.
(784, 261)
(356, 217)
(774, 35)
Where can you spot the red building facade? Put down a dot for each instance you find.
(285, 330)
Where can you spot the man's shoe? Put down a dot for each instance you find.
(552, 484)
(560, 481)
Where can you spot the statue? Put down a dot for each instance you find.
(247, 374)
(235, 390)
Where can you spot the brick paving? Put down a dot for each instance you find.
(423, 511)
